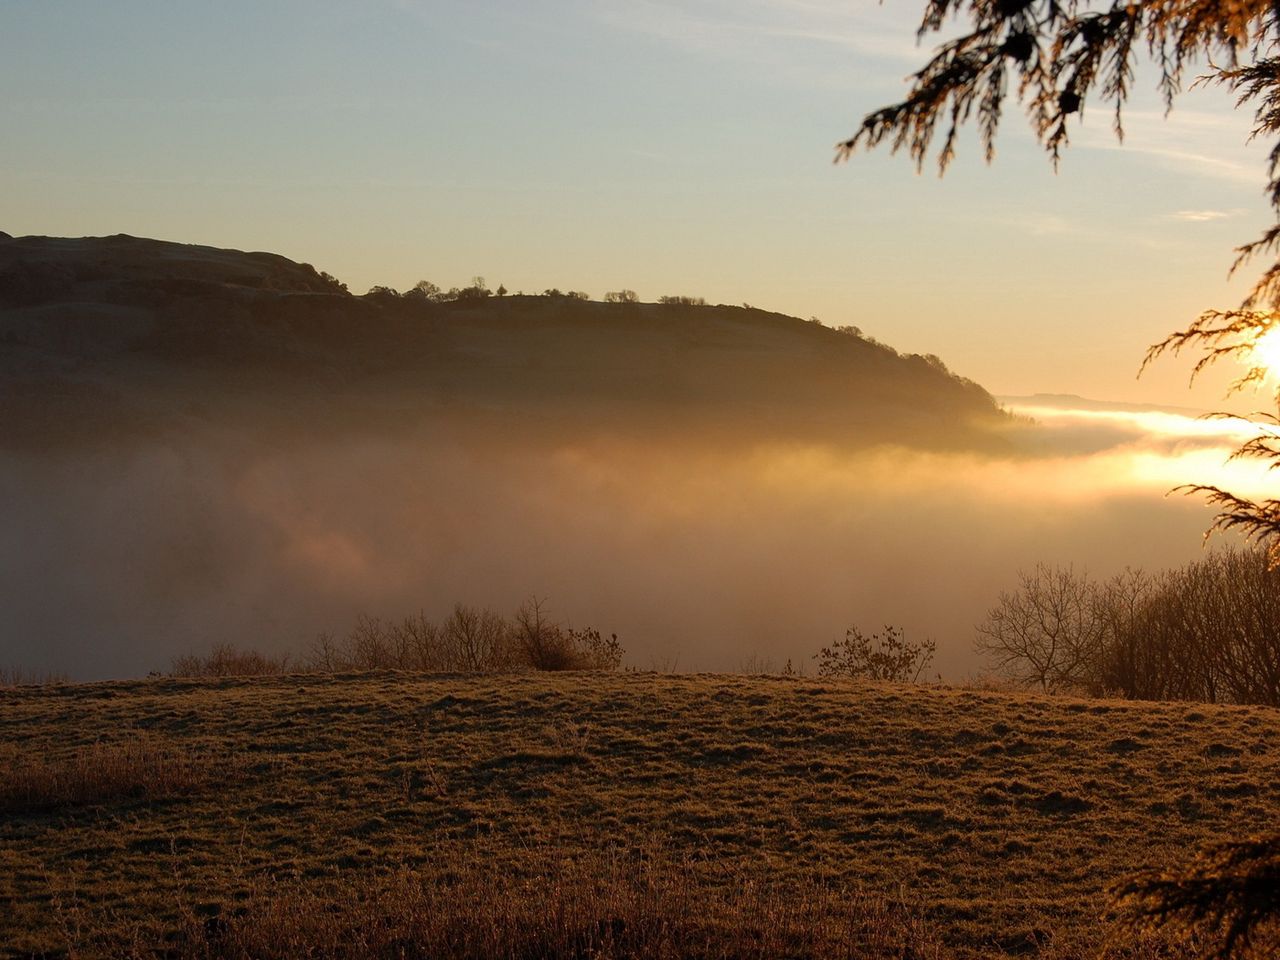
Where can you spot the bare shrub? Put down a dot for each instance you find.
(101, 772)
(1134, 662)
(367, 643)
(755, 665)
(1048, 632)
(419, 644)
(18, 677)
(1209, 631)
(548, 645)
(594, 651)
(327, 654)
(887, 655)
(470, 640)
(543, 644)
(479, 641)
(414, 643)
(226, 660)
(1161, 645)
(1235, 625)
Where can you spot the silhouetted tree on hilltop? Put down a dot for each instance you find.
(425, 290)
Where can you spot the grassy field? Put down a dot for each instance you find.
(578, 814)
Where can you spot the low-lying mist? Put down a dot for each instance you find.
(114, 560)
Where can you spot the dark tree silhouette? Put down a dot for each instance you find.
(1228, 898)
(1051, 56)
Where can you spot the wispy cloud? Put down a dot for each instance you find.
(1199, 142)
(755, 28)
(1202, 216)
(1055, 226)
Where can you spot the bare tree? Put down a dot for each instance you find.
(480, 641)
(542, 642)
(1048, 632)
(1122, 605)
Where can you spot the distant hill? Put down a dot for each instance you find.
(110, 334)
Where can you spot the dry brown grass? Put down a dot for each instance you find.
(621, 905)
(140, 768)
(983, 824)
(637, 904)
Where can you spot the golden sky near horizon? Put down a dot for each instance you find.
(666, 147)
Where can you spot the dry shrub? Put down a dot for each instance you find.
(469, 640)
(481, 641)
(546, 645)
(1208, 631)
(543, 644)
(609, 907)
(18, 677)
(887, 655)
(594, 651)
(226, 660)
(143, 768)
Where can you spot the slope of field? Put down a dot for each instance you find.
(998, 820)
(125, 336)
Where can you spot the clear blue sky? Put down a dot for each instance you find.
(669, 147)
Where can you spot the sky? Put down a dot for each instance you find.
(661, 146)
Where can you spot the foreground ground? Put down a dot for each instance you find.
(993, 822)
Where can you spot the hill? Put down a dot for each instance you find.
(100, 336)
(939, 822)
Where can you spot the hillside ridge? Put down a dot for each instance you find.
(139, 328)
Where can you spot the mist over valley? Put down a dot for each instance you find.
(203, 446)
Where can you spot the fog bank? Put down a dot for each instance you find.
(114, 560)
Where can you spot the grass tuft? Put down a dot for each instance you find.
(608, 907)
(143, 768)
(18, 677)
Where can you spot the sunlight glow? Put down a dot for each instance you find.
(1265, 352)
(1146, 422)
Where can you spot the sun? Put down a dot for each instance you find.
(1265, 352)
